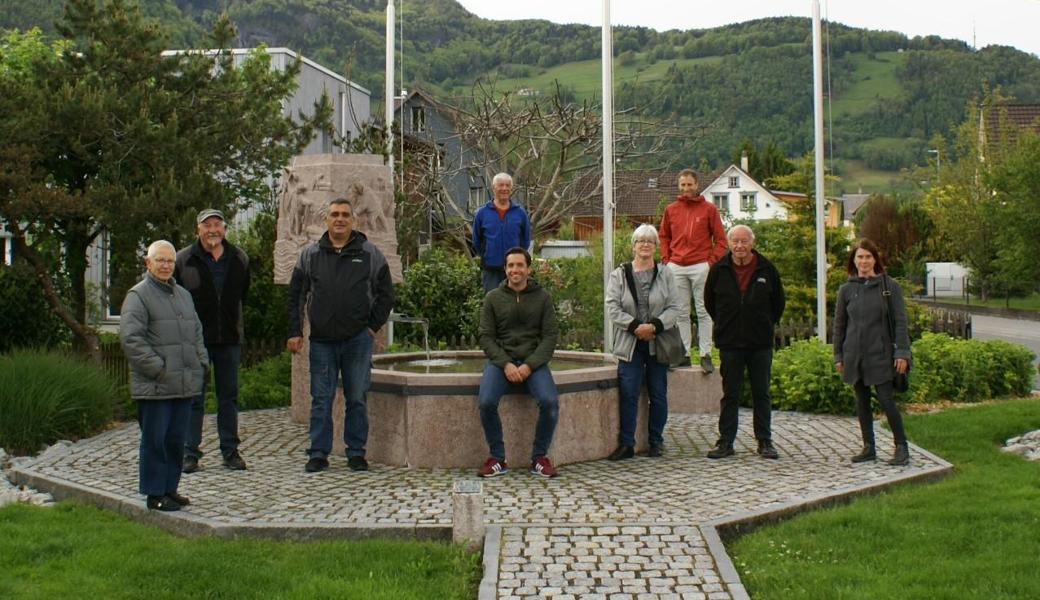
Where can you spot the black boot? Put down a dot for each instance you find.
(901, 456)
(867, 453)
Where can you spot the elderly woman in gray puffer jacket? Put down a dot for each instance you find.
(162, 338)
(865, 352)
(641, 301)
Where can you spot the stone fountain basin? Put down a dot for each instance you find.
(432, 420)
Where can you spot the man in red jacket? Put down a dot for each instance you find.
(692, 239)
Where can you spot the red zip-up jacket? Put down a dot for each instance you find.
(691, 232)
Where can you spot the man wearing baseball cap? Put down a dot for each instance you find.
(217, 275)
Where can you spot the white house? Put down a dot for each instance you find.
(738, 196)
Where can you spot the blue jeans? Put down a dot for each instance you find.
(759, 364)
(161, 455)
(631, 375)
(493, 385)
(491, 277)
(224, 360)
(353, 359)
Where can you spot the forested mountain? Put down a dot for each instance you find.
(891, 94)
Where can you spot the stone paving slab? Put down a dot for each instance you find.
(550, 528)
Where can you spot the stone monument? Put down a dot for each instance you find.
(308, 185)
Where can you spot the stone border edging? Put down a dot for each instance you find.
(488, 589)
(189, 525)
(717, 531)
(992, 311)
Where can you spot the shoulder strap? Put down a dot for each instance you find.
(631, 280)
(886, 308)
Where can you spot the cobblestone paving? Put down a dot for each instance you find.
(616, 530)
(607, 561)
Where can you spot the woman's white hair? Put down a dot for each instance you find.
(645, 231)
(153, 248)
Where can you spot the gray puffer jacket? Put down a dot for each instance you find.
(621, 308)
(862, 341)
(162, 338)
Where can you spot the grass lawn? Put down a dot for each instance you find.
(1031, 302)
(75, 551)
(856, 176)
(975, 534)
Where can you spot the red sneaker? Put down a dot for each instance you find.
(542, 467)
(493, 468)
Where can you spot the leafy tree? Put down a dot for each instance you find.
(101, 132)
(900, 228)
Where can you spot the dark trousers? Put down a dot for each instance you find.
(886, 398)
(758, 364)
(491, 277)
(224, 360)
(163, 426)
(631, 375)
(329, 360)
(540, 384)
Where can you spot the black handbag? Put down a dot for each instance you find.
(900, 381)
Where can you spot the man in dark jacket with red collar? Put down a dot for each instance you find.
(217, 275)
(745, 298)
(343, 280)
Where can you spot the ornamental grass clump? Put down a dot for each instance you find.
(45, 397)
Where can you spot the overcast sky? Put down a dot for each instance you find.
(1006, 22)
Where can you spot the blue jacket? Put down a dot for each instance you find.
(492, 237)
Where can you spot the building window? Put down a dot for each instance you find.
(418, 119)
(734, 182)
(477, 197)
(651, 183)
(721, 202)
(748, 202)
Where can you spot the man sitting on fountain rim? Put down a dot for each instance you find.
(518, 333)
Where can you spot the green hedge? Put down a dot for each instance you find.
(944, 368)
(947, 368)
(45, 397)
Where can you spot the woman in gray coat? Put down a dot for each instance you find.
(162, 338)
(641, 301)
(864, 351)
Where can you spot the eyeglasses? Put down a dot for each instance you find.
(163, 261)
(651, 242)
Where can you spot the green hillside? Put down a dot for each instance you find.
(891, 94)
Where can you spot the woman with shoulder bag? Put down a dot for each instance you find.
(642, 303)
(871, 344)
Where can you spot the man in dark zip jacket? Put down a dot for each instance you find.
(217, 275)
(344, 283)
(745, 298)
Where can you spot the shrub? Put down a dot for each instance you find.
(267, 384)
(946, 368)
(26, 320)
(804, 379)
(45, 397)
(444, 288)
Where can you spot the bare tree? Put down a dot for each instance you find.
(551, 144)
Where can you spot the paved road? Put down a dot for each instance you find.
(1018, 331)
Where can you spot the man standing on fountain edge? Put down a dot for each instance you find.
(518, 334)
(344, 282)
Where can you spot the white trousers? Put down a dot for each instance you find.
(689, 282)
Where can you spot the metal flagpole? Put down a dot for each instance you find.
(821, 255)
(608, 165)
(388, 89)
